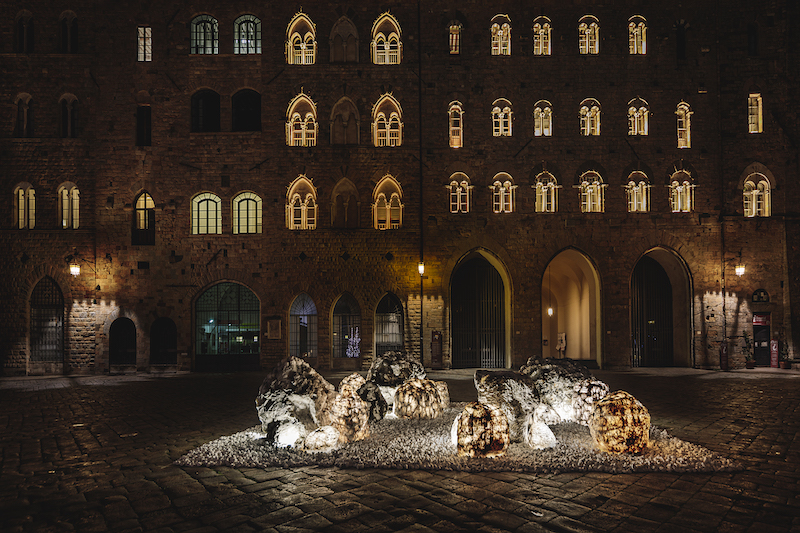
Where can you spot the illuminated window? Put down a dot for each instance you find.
(757, 201)
(246, 213)
(754, 117)
(588, 36)
(69, 116)
(204, 35)
(23, 126)
(455, 38)
(344, 42)
(460, 193)
(206, 214)
(145, 44)
(301, 41)
(501, 118)
(25, 206)
(247, 35)
(387, 125)
(387, 206)
(301, 204)
(541, 36)
(23, 33)
(684, 114)
(301, 122)
(638, 192)
(542, 119)
(546, 193)
(387, 48)
(638, 117)
(503, 191)
(456, 116)
(590, 117)
(345, 122)
(68, 24)
(637, 35)
(144, 221)
(68, 206)
(681, 189)
(592, 192)
(501, 35)
(205, 111)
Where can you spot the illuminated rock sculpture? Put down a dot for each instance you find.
(444, 393)
(354, 381)
(619, 423)
(480, 431)
(376, 403)
(296, 376)
(514, 393)
(322, 439)
(536, 433)
(349, 415)
(286, 418)
(418, 398)
(392, 369)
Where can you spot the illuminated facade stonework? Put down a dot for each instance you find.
(231, 185)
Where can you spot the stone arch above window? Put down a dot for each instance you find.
(204, 38)
(387, 122)
(503, 193)
(546, 187)
(23, 32)
(543, 119)
(501, 35)
(69, 205)
(301, 121)
(592, 192)
(344, 42)
(387, 204)
(301, 204)
(246, 111)
(23, 126)
(68, 106)
(301, 41)
(345, 122)
(756, 196)
(24, 206)
(502, 118)
(590, 117)
(455, 115)
(247, 35)
(68, 32)
(637, 190)
(206, 214)
(588, 35)
(387, 46)
(684, 125)
(205, 111)
(638, 117)
(345, 205)
(143, 231)
(460, 190)
(246, 212)
(637, 35)
(542, 33)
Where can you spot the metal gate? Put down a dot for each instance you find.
(47, 322)
(651, 313)
(478, 304)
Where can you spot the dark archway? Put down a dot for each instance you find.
(122, 342)
(227, 322)
(346, 333)
(389, 327)
(47, 322)
(163, 342)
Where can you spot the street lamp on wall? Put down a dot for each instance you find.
(739, 270)
(421, 268)
(74, 269)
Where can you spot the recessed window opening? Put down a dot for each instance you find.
(25, 206)
(592, 192)
(542, 119)
(69, 206)
(206, 214)
(637, 35)
(756, 196)
(247, 35)
(145, 43)
(541, 36)
(546, 193)
(301, 41)
(503, 192)
(456, 114)
(204, 35)
(588, 36)
(681, 192)
(460, 193)
(247, 210)
(684, 125)
(638, 192)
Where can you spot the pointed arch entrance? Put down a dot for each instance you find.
(660, 311)
(47, 325)
(571, 288)
(480, 303)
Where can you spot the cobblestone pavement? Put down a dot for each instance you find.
(95, 454)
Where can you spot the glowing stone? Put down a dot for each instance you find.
(286, 418)
(322, 439)
(480, 431)
(514, 393)
(349, 415)
(418, 398)
(394, 368)
(376, 404)
(444, 393)
(537, 434)
(296, 376)
(354, 381)
(619, 423)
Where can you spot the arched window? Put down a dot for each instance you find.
(455, 37)
(25, 206)
(301, 204)
(388, 325)
(387, 47)
(455, 115)
(681, 189)
(345, 205)
(501, 118)
(757, 202)
(301, 122)
(69, 116)
(68, 205)
(542, 119)
(344, 42)
(546, 193)
(541, 36)
(503, 192)
(592, 192)
(23, 33)
(638, 192)
(638, 117)
(47, 322)
(684, 114)
(205, 111)
(204, 35)
(387, 206)
(246, 111)
(301, 41)
(755, 122)
(460, 193)
(303, 327)
(387, 125)
(588, 35)
(590, 117)
(227, 321)
(246, 213)
(247, 35)
(637, 35)
(501, 35)
(23, 126)
(346, 326)
(68, 24)
(345, 122)
(144, 221)
(206, 214)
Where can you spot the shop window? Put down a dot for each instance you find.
(389, 325)
(227, 321)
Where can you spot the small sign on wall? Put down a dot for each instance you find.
(761, 319)
(274, 329)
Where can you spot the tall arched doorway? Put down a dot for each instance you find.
(47, 326)
(389, 328)
(571, 289)
(346, 333)
(163, 342)
(478, 302)
(660, 311)
(227, 323)
(122, 342)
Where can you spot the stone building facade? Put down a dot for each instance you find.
(232, 183)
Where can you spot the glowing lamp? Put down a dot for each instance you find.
(549, 311)
(421, 268)
(739, 270)
(75, 269)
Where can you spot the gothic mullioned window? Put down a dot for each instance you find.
(756, 196)
(144, 49)
(246, 207)
(23, 33)
(460, 193)
(301, 41)
(69, 116)
(345, 122)
(301, 122)
(588, 35)
(755, 121)
(345, 205)
(456, 119)
(206, 214)
(344, 42)
(501, 118)
(543, 119)
(144, 220)
(590, 117)
(638, 117)
(23, 126)
(501, 35)
(684, 114)
(387, 124)
(503, 192)
(68, 24)
(455, 37)
(592, 192)
(681, 192)
(387, 47)
(387, 204)
(301, 204)
(69, 206)
(25, 206)
(637, 35)
(542, 32)
(638, 192)
(204, 37)
(546, 193)
(247, 35)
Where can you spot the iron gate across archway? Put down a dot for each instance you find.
(651, 314)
